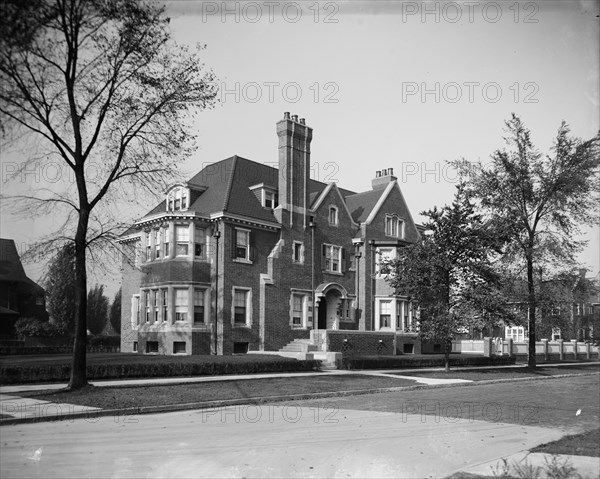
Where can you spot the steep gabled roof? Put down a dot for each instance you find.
(360, 205)
(226, 186)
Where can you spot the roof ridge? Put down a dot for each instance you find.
(230, 184)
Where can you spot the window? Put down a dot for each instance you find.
(242, 244)
(166, 241)
(152, 346)
(240, 348)
(270, 199)
(333, 256)
(394, 226)
(385, 314)
(39, 300)
(199, 243)
(298, 254)
(135, 310)
(137, 254)
(135, 346)
(198, 306)
(403, 315)
(156, 305)
(383, 256)
(182, 238)
(298, 310)
(177, 199)
(181, 304)
(157, 235)
(148, 247)
(178, 347)
(240, 307)
(147, 305)
(333, 216)
(165, 304)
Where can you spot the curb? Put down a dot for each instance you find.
(134, 411)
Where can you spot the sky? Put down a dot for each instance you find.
(402, 85)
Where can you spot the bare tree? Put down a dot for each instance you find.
(100, 85)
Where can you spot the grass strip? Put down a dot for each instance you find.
(584, 444)
(504, 373)
(142, 396)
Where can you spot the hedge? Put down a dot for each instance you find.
(61, 372)
(395, 362)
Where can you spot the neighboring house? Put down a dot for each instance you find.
(568, 308)
(265, 254)
(20, 297)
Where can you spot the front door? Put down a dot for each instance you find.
(322, 324)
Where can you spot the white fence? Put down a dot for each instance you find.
(561, 349)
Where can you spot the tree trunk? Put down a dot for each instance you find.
(532, 307)
(78, 367)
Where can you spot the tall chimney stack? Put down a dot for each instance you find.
(294, 171)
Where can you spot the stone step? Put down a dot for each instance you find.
(300, 345)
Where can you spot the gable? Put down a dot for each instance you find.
(392, 203)
(332, 196)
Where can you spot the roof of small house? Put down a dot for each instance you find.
(11, 268)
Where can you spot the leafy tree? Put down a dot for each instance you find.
(97, 309)
(100, 86)
(60, 288)
(115, 312)
(538, 201)
(449, 273)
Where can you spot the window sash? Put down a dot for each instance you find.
(182, 235)
(297, 310)
(385, 314)
(298, 252)
(181, 304)
(242, 243)
(333, 216)
(199, 306)
(199, 245)
(240, 309)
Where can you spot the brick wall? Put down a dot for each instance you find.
(361, 343)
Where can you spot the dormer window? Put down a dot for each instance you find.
(266, 194)
(270, 199)
(178, 199)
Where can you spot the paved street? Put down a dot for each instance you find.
(251, 441)
(377, 435)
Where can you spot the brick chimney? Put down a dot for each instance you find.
(382, 178)
(294, 170)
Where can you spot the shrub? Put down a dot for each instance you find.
(29, 327)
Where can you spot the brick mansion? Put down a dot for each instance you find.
(246, 257)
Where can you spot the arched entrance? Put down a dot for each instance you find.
(329, 298)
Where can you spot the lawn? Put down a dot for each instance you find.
(584, 444)
(141, 396)
(505, 373)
